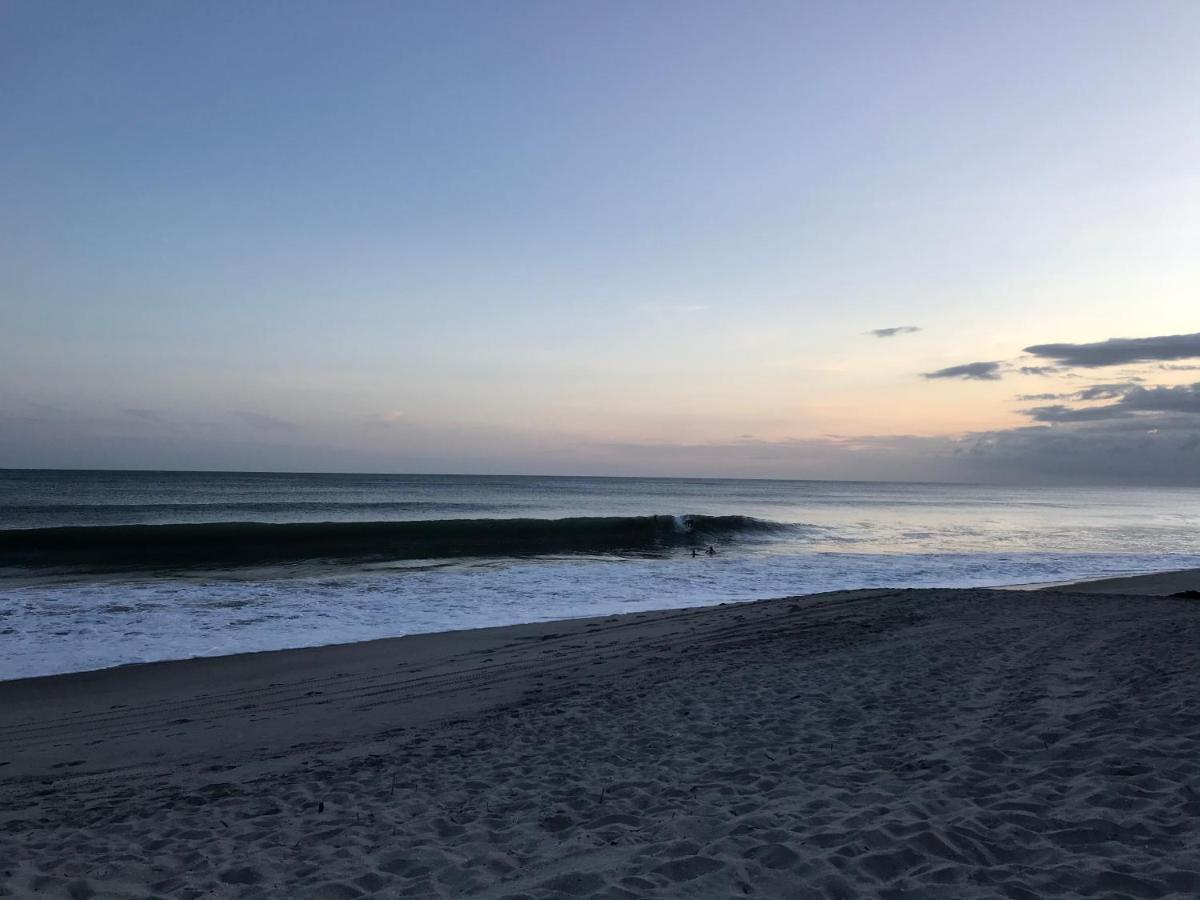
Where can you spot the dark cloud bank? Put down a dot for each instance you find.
(1119, 351)
(1113, 352)
(1131, 400)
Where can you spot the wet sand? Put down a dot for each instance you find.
(1159, 584)
(891, 743)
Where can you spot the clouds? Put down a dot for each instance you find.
(1163, 449)
(895, 330)
(1102, 392)
(1128, 450)
(1091, 392)
(1131, 400)
(1122, 430)
(1120, 351)
(1180, 398)
(1112, 352)
(1119, 431)
(1089, 425)
(976, 371)
(1060, 413)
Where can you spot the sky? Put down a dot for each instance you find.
(802, 240)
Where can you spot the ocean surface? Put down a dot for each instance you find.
(105, 568)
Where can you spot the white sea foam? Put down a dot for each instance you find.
(72, 627)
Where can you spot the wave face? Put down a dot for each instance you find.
(222, 544)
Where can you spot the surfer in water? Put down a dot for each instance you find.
(711, 551)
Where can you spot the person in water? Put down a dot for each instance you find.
(711, 551)
(693, 553)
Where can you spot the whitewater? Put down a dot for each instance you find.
(109, 568)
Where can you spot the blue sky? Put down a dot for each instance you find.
(583, 237)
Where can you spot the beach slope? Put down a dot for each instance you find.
(893, 743)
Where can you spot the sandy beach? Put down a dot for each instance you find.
(883, 743)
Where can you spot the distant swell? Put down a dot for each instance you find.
(252, 506)
(48, 515)
(220, 544)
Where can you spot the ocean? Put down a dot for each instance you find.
(106, 568)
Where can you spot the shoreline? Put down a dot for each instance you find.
(1148, 584)
(951, 743)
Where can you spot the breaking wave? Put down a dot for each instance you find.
(220, 544)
